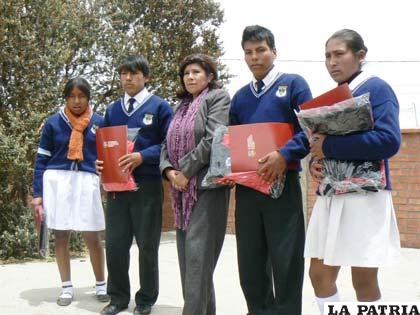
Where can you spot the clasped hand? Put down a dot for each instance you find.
(177, 179)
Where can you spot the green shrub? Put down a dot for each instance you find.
(44, 43)
(20, 239)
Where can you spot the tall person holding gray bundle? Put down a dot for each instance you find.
(270, 232)
(331, 241)
(136, 213)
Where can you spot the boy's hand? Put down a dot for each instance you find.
(130, 161)
(272, 166)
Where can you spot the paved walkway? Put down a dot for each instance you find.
(32, 288)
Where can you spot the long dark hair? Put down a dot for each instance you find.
(206, 63)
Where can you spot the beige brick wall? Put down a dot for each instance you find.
(405, 176)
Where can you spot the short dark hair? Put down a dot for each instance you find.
(257, 33)
(134, 64)
(352, 39)
(77, 82)
(204, 61)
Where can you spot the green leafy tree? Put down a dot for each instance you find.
(44, 43)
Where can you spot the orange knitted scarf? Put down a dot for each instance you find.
(79, 124)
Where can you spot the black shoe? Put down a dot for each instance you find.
(142, 309)
(112, 309)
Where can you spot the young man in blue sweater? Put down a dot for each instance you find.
(270, 232)
(136, 213)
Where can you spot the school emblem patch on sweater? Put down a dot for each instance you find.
(281, 91)
(94, 128)
(148, 119)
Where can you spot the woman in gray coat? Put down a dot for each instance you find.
(200, 215)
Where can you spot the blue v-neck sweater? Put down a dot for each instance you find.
(150, 121)
(54, 146)
(276, 103)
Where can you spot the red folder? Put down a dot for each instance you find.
(338, 94)
(111, 144)
(250, 142)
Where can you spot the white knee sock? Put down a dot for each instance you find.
(321, 301)
(66, 289)
(100, 287)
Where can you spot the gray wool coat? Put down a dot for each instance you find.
(213, 112)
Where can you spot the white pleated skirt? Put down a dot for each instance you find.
(72, 201)
(357, 230)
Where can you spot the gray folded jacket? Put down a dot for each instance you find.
(343, 118)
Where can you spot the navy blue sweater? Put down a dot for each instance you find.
(152, 120)
(383, 141)
(275, 104)
(53, 148)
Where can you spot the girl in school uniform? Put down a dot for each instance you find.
(359, 229)
(66, 186)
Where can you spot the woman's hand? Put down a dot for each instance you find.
(315, 169)
(177, 179)
(180, 181)
(99, 166)
(316, 142)
(226, 182)
(130, 161)
(170, 174)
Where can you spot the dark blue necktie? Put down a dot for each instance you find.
(260, 86)
(131, 102)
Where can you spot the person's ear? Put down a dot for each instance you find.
(361, 54)
(210, 77)
(274, 51)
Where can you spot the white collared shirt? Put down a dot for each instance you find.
(268, 79)
(140, 97)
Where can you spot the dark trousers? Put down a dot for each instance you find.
(199, 249)
(270, 239)
(134, 214)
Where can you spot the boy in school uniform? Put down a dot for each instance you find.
(270, 232)
(136, 213)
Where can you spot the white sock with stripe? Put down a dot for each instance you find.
(66, 289)
(100, 287)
